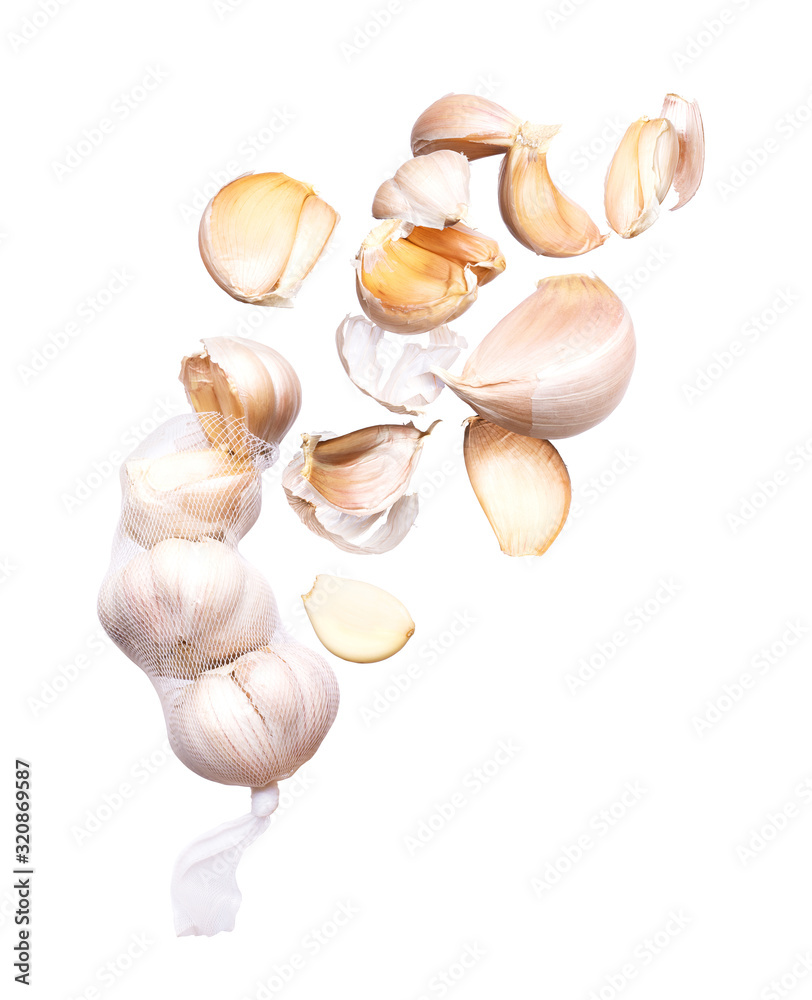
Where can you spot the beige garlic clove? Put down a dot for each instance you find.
(357, 621)
(413, 285)
(431, 190)
(255, 720)
(182, 607)
(261, 235)
(521, 483)
(249, 384)
(366, 471)
(189, 494)
(686, 118)
(538, 215)
(556, 365)
(640, 174)
(465, 123)
(394, 370)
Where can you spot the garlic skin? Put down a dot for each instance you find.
(431, 190)
(538, 215)
(521, 483)
(190, 494)
(686, 118)
(413, 279)
(465, 124)
(257, 719)
(248, 384)
(357, 621)
(261, 235)
(640, 174)
(392, 370)
(556, 365)
(183, 607)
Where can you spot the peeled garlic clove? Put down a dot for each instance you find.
(392, 370)
(262, 234)
(430, 190)
(556, 365)
(190, 494)
(686, 118)
(248, 384)
(640, 174)
(463, 246)
(366, 471)
(356, 621)
(466, 124)
(521, 483)
(538, 215)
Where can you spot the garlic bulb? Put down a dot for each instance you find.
(556, 365)
(250, 385)
(257, 719)
(640, 175)
(357, 621)
(466, 124)
(538, 215)
(394, 370)
(431, 190)
(190, 494)
(521, 483)
(183, 607)
(686, 118)
(413, 279)
(261, 235)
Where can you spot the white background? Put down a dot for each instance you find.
(693, 283)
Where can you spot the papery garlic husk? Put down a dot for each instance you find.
(249, 384)
(431, 190)
(413, 279)
(182, 607)
(538, 215)
(204, 493)
(261, 235)
(257, 719)
(366, 471)
(640, 174)
(466, 124)
(556, 365)
(521, 483)
(686, 118)
(357, 621)
(392, 370)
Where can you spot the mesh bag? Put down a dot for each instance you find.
(245, 704)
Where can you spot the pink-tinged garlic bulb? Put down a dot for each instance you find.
(686, 118)
(466, 124)
(640, 175)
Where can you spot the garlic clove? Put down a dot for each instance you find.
(640, 174)
(392, 370)
(357, 621)
(521, 483)
(249, 384)
(431, 190)
(556, 365)
(190, 494)
(463, 246)
(261, 234)
(538, 215)
(686, 118)
(366, 471)
(465, 123)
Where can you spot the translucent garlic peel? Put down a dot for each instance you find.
(686, 118)
(465, 123)
(431, 190)
(357, 621)
(521, 483)
(640, 175)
